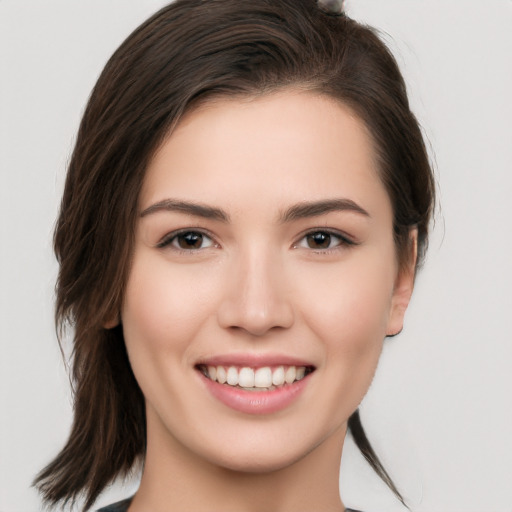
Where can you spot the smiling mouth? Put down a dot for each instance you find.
(264, 378)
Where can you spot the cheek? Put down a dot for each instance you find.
(351, 309)
(350, 317)
(353, 302)
(163, 308)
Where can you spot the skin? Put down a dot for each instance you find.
(257, 284)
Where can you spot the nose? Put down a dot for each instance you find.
(256, 298)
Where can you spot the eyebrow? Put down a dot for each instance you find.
(195, 209)
(301, 210)
(316, 208)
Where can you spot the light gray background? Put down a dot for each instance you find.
(440, 409)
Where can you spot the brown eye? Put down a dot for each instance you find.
(319, 240)
(323, 241)
(187, 241)
(190, 240)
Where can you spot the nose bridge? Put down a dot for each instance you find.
(256, 298)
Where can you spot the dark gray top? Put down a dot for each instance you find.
(122, 506)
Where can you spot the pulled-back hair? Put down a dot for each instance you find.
(190, 52)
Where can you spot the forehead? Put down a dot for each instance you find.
(287, 146)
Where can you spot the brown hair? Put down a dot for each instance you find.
(188, 52)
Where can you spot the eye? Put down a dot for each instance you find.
(187, 240)
(322, 240)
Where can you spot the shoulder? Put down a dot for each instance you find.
(120, 506)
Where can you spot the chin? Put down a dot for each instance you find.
(264, 463)
(263, 451)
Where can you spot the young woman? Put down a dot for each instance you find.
(246, 207)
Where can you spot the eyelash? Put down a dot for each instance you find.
(343, 240)
(171, 237)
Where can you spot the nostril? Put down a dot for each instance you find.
(253, 318)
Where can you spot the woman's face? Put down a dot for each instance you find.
(264, 255)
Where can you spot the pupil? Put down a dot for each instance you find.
(190, 240)
(319, 240)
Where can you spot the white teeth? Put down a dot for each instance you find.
(232, 376)
(278, 376)
(263, 377)
(251, 379)
(246, 378)
(221, 374)
(299, 374)
(290, 374)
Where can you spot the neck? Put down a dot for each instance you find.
(174, 478)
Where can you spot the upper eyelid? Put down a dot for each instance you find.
(331, 231)
(167, 238)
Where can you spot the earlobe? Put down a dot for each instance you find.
(112, 322)
(404, 285)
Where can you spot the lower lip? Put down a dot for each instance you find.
(256, 402)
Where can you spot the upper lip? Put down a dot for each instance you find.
(253, 360)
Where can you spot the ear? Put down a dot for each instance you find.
(112, 322)
(404, 285)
